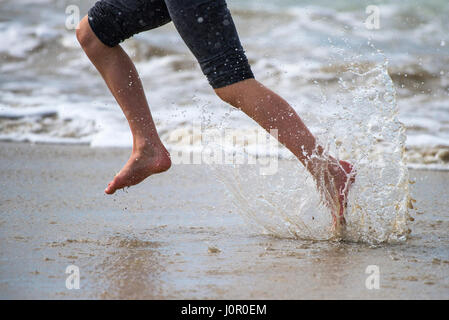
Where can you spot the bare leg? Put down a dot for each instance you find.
(272, 112)
(149, 155)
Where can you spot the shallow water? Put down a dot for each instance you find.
(157, 240)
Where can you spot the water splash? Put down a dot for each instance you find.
(375, 142)
(364, 129)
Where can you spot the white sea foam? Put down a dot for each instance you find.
(17, 113)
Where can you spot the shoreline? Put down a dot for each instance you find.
(410, 166)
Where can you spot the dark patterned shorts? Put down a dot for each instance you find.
(206, 26)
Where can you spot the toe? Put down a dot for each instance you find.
(109, 190)
(112, 187)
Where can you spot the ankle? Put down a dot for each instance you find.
(156, 154)
(319, 165)
(148, 148)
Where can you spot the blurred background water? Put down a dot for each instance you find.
(50, 93)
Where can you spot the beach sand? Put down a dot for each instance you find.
(176, 236)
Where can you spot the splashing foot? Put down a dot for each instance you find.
(333, 179)
(343, 182)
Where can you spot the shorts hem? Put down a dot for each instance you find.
(228, 82)
(100, 35)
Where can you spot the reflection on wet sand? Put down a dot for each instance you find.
(154, 241)
(131, 269)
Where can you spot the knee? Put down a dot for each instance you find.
(86, 37)
(226, 94)
(234, 94)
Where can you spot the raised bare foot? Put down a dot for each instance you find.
(143, 163)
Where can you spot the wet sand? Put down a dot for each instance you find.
(176, 236)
